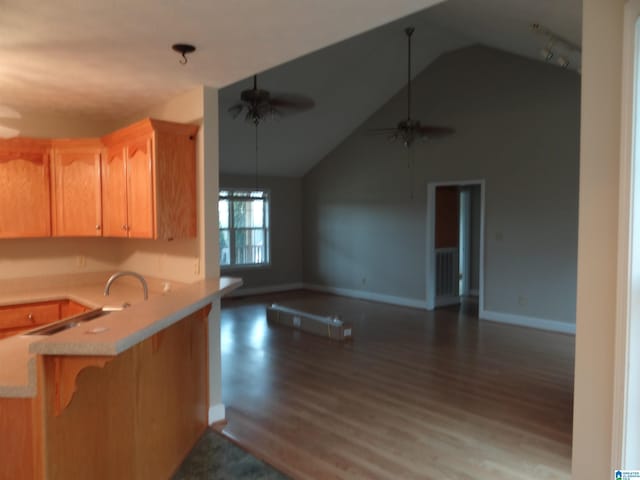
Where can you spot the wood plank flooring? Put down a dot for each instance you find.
(416, 395)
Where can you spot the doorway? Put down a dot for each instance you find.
(455, 242)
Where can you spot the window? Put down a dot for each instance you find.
(244, 227)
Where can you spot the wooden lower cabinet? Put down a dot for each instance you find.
(135, 415)
(15, 319)
(21, 452)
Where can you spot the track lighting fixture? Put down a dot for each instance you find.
(557, 47)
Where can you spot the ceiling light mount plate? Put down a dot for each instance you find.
(183, 49)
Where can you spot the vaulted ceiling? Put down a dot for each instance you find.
(113, 59)
(350, 80)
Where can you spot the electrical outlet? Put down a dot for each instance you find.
(196, 267)
(81, 261)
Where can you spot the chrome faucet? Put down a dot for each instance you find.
(117, 275)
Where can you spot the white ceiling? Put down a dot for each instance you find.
(113, 57)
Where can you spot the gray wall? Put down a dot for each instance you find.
(517, 125)
(285, 231)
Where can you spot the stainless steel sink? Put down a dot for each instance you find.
(73, 321)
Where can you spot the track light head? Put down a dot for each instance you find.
(547, 54)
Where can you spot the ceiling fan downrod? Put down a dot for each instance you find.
(409, 31)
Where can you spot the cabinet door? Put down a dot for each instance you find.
(175, 183)
(140, 191)
(114, 193)
(76, 192)
(24, 194)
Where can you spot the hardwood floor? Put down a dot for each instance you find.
(416, 395)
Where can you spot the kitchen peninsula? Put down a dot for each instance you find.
(123, 396)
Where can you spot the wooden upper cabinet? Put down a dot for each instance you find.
(76, 188)
(24, 188)
(137, 182)
(160, 171)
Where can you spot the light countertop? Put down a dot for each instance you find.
(118, 331)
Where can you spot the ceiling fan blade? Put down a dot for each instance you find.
(7, 132)
(435, 132)
(381, 131)
(236, 110)
(298, 103)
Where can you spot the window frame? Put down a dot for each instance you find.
(625, 423)
(266, 228)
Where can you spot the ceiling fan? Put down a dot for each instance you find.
(8, 112)
(409, 129)
(259, 105)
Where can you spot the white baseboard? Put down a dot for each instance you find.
(509, 318)
(531, 322)
(216, 413)
(364, 295)
(243, 292)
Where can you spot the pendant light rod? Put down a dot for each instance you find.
(409, 31)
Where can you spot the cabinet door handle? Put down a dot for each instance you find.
(30, 317)
(97, 227)
(124, 227)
